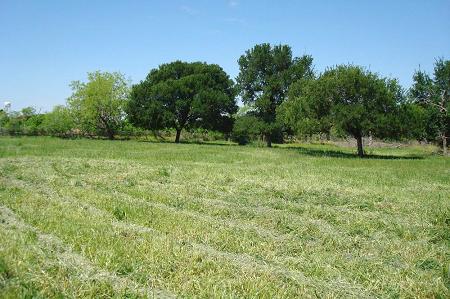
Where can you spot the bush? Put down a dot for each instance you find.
(59, 122)
(14, 123)
(33, 125)
(245, 129)
(129, 131)
(202, 135)
(25, 122)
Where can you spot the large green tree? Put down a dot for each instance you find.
(98, 104)
(350, 99)
(183, 95)
(433, 95)
(265, 75)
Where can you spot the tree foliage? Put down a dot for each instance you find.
(350, 99)
(24, 122)
(183, 95)
(265, 75)
(246, 128)
(59, 122)
(99, 104)
(433, 94)
(303, 112)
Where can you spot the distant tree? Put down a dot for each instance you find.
(352, 101)
(433, 95)
(59, 122)
(14, 126)
(4, 120)
(27, 112)
(183, 95)
(33, 124)
(246, 128)
(98, 105)
(265, 75)
(411, 121)
(30, 121)
(25, 121)
(305, 112)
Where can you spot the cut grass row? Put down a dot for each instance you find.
(65, 273)
(139, 253)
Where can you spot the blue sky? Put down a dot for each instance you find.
(44, 45)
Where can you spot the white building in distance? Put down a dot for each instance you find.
(6, 106)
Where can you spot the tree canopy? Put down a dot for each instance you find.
(433, 94)
(348, 98)
(183, 95)
(303, 112)
(98, 105)
(59, 122)
(265, 74)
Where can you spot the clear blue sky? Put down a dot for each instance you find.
(46, 44)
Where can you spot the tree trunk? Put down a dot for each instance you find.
(359, 142)
(110, 135)
(269, 140)
(177, 138)
(444, 145)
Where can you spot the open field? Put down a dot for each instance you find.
(92, 218)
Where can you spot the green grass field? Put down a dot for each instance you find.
(93, 218)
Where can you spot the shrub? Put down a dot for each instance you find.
(59, 122)
(245, 129)
(33, 125)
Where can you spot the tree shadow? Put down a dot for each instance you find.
(340, 154)
(302, 150)
(188, 142)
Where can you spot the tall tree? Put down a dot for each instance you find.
(265, 75)
(182, 95)
(354, 101)
(433, 95)
(98, 105)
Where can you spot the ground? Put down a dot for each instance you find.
(97, 218)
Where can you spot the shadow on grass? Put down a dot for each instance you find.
(340, 154)
(299, 149)
(170, 141)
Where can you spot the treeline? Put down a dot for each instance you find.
(282, 96)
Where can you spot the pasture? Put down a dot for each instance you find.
(100, 219)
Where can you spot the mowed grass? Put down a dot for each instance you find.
(92, 218)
